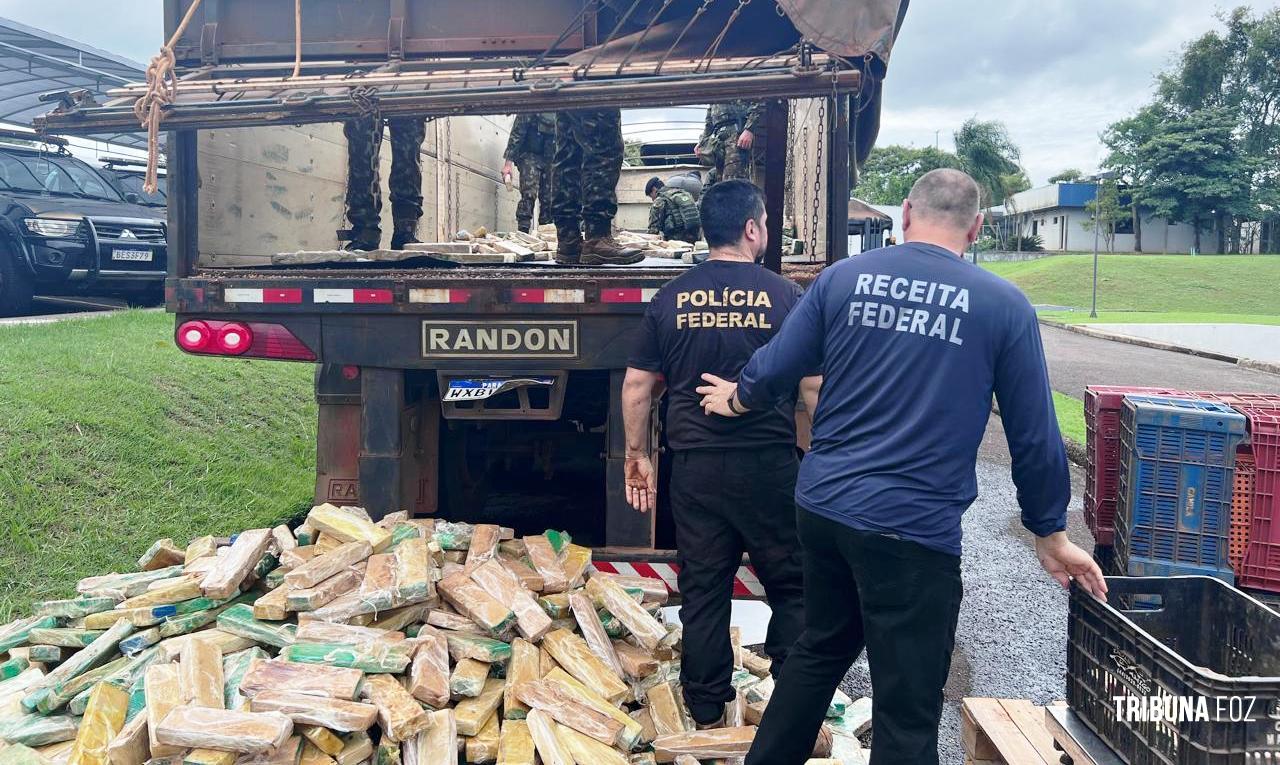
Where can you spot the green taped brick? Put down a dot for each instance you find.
(48, 701)
(39, 730)
(305, 537)
(17, 633)
(453, 536)
(47, 654)
(17, 754)
(556, 606)
(139, 641)
(128, 585)
(123, 677)
(612, 627)
(63, 636)
(183, 623)
(558, 539)
(388, 754)
(266, 565)
(137, 697)
(234, 667)
(238, 620)
(76, 608)
(488, 650)
(274, 579)
(61, 680)
(402, 531)
(413, 630)
(374, 657)
(13, 667)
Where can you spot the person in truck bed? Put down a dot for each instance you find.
(588, 165)
(531, 149)
(674, 213)
(732, 481)
(364, 193)
(913, 342)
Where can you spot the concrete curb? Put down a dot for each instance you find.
(1082, 329)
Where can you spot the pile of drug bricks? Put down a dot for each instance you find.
(484, 247)
(350, 642)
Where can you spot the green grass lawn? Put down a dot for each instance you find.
(112, 438)
(1154, 288)
(1070, 413)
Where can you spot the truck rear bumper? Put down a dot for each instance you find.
(661, 565)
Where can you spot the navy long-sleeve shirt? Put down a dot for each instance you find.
(913, 342)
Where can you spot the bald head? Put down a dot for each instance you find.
(942, 209)
(945, 198)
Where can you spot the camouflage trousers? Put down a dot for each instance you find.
(535, 187)
(745, 164)
(364, 192)
(587, 167)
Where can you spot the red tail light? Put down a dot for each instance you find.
(207, 337)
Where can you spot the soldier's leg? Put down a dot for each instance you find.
(737, 162)
(600, 133)
(530, 179)
(364, 197)
(407, 135)
(566, 205)
(544, 191)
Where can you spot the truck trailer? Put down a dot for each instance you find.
(472, 392)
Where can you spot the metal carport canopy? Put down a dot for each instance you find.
(34, 62)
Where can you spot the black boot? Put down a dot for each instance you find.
(359, 240)
(406, 232)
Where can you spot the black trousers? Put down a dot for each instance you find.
(727, 502)
(898, 599)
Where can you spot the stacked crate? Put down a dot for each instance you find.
(1102, 406)
(1242, 506)
(1177, 461)
(1261, 565)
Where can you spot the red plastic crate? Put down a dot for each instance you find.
(1242, 401)
(1102, 405)
(1261, 565)
(1241, 507)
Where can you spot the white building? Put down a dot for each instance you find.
(1059, 215)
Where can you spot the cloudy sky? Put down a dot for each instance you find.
(1055, 71)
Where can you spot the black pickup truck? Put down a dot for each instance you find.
(65, 229)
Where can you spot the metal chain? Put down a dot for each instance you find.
(789, 205)
(805, 187)
(365, 99)
(447, 159)
(817, 175)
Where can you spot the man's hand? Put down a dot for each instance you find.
(746, 139)
(507, 167)
(697, 149)
(717, 394)
(642, 485)
(1065, 561)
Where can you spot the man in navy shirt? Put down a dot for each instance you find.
(732, 480)
(913, 342)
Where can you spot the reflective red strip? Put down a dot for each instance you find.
(459, 296)
(528, 296)
(372, 296)
(293, 295)
(622, 296)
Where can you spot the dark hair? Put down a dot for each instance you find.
(726, 207)
(654, 183)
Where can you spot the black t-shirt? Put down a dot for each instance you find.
(711, 319)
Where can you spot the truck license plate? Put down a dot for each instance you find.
(137, 256)
(479, 389)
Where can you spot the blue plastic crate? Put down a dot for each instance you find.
(1177, 462)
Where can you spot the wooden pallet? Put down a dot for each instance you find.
(1006, 732)
(1076, 739)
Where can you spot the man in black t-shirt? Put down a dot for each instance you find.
(733, 480)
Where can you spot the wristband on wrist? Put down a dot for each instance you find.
(733, 405)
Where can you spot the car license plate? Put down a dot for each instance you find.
(479, 389)
(137, 256)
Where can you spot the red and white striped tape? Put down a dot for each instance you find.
(418, 295)
(627, 295)
(260, 295)
(358, 297)
(745, 584)
(533, 295)
(530, 295)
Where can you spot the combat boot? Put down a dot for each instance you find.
(359, 240)
(606, 251)
(406, 232)
(568, 245)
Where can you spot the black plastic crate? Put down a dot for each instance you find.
(1205, 640)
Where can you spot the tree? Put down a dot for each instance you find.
(1237, 69)
(1124, 139)
(988, 154)
(891, 171)
(1069, 175)
(1106, 209)
(1197, 172)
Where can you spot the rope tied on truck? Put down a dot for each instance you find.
(162, 88)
